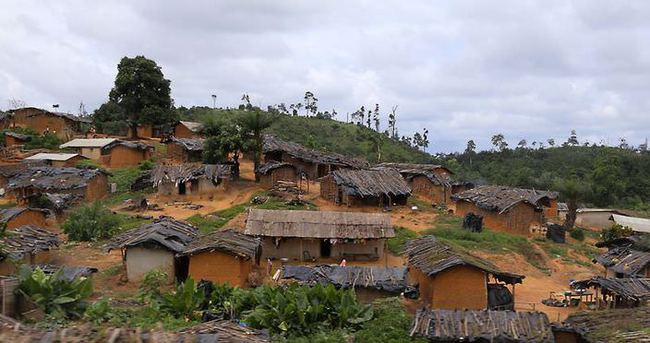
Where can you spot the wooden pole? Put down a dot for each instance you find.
(301, 251)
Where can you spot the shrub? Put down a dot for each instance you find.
(607, 235)
(47, 141)
(102, 312)
(184, 302)
(402, 235)
(56, 296)
(91, 223)
(151, 284)
(390, 324)
(577, 233)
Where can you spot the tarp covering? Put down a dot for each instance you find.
(556, 233)
(473, 222)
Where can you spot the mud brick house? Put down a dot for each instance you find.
(187, 129)
(225, 256)
(617, 292)
(191, 178)
(451, 279)
(57, 159)
(148, 131)
(453, 326)
(310, 235)
(18, 216)
(82, 183)
(155, 246)
(10, 170)
(429, 181)
(28, 244)
(312, 163)
(273, 171)
(63, 125)
(513, 210)
(369, 283)
(111, 152)
(184, 150)
(624, 262)
(377, 187)
(15, 138)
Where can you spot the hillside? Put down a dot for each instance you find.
(326, 134)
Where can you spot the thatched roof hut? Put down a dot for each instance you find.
(189, 171)
(392, 280)
(295, 150)
(632, 289)
(501, 199)
(228, 241)
(482, 326)
(626, 261)
(189, 144)
(371, 183)
(54, 179)
(432, 257)
(616, 325)
(25, 241)
(270, 166)
(318, 224)
(167, 232)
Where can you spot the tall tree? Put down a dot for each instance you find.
(311, 103)
(143, 93)
(253, 123)
(551, 142)
(425, 139)
(499, 142)
(572, 191)
(392, 120)
(572, 140)
(470, 150)
(375, 117)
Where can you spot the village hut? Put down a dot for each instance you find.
(188, 129)
(449, 326)
(148, 131)
(57, 159)
(191, 178)
(272, 172)
(154, 246)
(225, 256)
(313, 163)
(513, 210)
(369, 283)
(616, 325)
(25, 244)
(8, 171)
(624, 262)
(15, 138)
(184, 150)
(310, 235)
(111, 152)
(84, 183)
(63, 125)
(617, 292)
(451, 279)
(365, 187)
(15, 217)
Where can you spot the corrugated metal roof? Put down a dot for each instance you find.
(52, 156)
(635, 223)
(87, 143)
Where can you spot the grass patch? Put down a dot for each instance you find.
(396, 244)
(124, 177)
(216, 220)
(113, 270)
(445, 220)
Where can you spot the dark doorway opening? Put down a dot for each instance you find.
(325, 248)
(181, 188)
(182, 266)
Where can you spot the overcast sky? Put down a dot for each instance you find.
(527, 69)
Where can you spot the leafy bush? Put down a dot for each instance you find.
(102, 312)
(124, 177)
(184, 302)
(47, 141)
(91, 223)
(88, 164)
(391, 324)
(577, 234)
(402, 235)
(616, 231)
(146, 165)
(150, 287)
(56, 296)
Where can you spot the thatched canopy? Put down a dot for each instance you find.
(8, 214)
(18, 136)
(228, 241)
(52, 179)
(27, 239)
(432, 257)
(166, 232)
(371, 183)
(189, 171)
(606, 325)
(189, 144)
(318, 224)
(272, 165)
(501, 199)
(384, 279)
(635, 289)
(295, 150)
(478, 326)
(624, 260)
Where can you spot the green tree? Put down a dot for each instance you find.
(225, 141)
(499, 142)
(110, 118)
(571, 190)
(91, 223)
(143, 93)
(253, 123)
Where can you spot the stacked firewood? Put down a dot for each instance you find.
(287, 187)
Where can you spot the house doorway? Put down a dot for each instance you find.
(325, 248)
(181, 188)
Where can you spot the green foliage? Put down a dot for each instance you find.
(56, 296)
(89, 164)
(150, 287)
(124, 177)
(390, 324)
(91, 223)
(616, 231)
(577, 234)
(402, 235)
(102, 312)
(109, 118)
(47, 141)
(207, 224)
(184, 301)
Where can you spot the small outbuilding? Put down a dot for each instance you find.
(271, 172)
(617, 292)
(624, 262)
(18, 216)
(313, 163)
(25, 244)
(451, 279)
(57, 159)
(84, 183)
(184, 150)
(187, 129)
(429, 181)
(452, 326)
(225, 256)
(15, 138)
(191, 178)
(365, 187)
(155, 246)
(311, 235)
(369, 283)
(513, 210)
